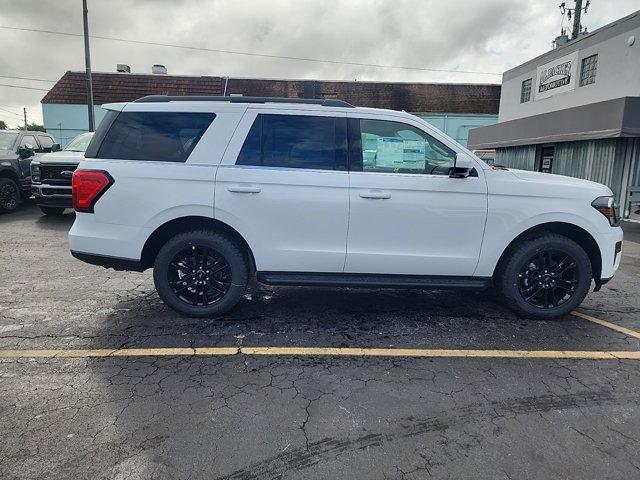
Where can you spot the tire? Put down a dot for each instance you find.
(9, 195)
(180, 274)
(538, 292)
(51, 210)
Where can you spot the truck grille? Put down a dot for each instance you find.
(57, 174)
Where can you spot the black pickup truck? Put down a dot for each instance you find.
(18, 148)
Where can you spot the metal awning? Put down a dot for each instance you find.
(609, 119)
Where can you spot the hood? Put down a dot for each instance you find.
(64, 156)
(560, 180)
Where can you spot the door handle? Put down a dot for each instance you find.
(244, 189)
(377, 195)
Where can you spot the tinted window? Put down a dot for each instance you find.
(46, 142)
(154, 136)
(296, 141)
(394, 147)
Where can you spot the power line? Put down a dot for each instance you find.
(250, 54)
(26, 88)
(28, 78)
(7, 112)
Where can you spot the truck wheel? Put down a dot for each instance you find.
(200, 273)
(51, 210)
(9, 195)
(545, 277)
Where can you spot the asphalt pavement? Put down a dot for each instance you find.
(101, 380)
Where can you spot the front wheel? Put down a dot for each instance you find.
(545, 277)
(51, 210)
(9, 195)
(200, 273)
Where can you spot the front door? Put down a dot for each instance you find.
(25, 163)
(284, 187)
(407, 216)
(546, 159)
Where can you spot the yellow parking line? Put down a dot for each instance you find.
(342, 352)
(604, 323)
(323, 351)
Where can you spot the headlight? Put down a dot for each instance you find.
(608, 207)
(35, 172)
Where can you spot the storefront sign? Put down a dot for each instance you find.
(557, 76)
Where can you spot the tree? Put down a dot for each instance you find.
(3, 125)
(35, 127)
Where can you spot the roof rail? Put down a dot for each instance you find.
(241, 99)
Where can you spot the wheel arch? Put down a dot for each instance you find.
(578, 234)
(10, 173)
(175, 226)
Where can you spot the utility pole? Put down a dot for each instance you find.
(87, 60)
(24, 111)
(576, 20)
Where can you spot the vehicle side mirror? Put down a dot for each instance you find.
(25, 152)
(463, 167)
(55, 147)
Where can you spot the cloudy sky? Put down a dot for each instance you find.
(463, 35)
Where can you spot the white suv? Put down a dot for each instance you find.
(212, 191)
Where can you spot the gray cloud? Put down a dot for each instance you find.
(478, 35)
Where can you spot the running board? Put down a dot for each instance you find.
(370, 280)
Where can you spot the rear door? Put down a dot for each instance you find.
(283, 185)
(407, 215)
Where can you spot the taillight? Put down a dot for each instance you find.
(87, 186)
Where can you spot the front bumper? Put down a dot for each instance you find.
(52, 196)
(610, 244)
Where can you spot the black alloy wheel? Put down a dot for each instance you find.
(9, 195)
(548, 279)
(199, 275)
(545, 276)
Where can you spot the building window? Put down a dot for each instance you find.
(588, 70)
(525, 93)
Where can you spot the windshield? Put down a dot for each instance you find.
(80, 143)
(7, 140)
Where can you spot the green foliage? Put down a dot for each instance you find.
(35, 127)
(3, 125)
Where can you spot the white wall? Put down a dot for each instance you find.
(618, 72)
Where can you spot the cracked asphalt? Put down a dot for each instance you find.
(303, 417)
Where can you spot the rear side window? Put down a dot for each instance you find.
(154, 136)
(296, 141)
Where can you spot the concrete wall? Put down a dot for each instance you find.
(65, 121)
(618, 72)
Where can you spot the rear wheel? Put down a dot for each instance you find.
(9, 195)
(546, 277)
(200, 273)
(51, 210)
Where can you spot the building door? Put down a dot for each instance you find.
(546, 159)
